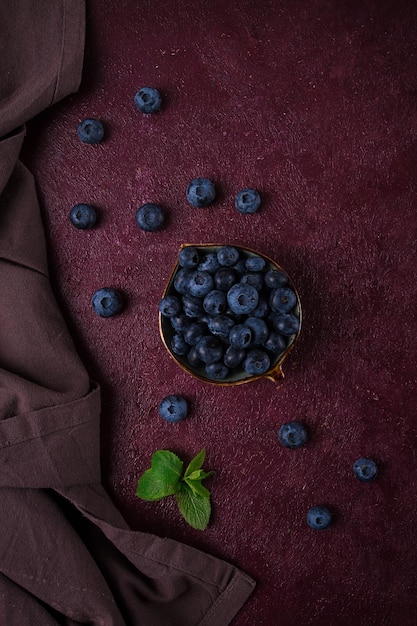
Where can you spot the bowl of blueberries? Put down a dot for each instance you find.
(229, 315)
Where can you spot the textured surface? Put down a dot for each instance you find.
(313, 104)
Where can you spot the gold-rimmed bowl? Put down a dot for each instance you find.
(237, 376)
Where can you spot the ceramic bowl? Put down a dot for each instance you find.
(237, 376)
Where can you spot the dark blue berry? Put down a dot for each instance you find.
(189, 257)
(282, 300)
(240, 267)
(173, 408)
(247, 201)
(179, 345)
(200, 192)
(170, 306)
(240, 336)
(193, 358)
(210, 349)
(192, 306)
(193, 333)
(319, 517)
(262, 310)
(275, 279)
(256, 279)
(200, 283)
(365, 469)
(217, 371)
(234, 356)
(148, 100)
(275, 343)
(107, 302)
(224, 278)
(209, 263)
(83, 216)
(220, 325)
(256, 362)
(227, 256)
(180, 322)
(181, 280)
(259, 329)
(292, 435)
(286, 324)
(215, 302)
(150, 217)
(255, 264)
(90, 131)
(242, 298)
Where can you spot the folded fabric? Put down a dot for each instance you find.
(66, 554)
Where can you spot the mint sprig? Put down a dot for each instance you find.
(165, 478)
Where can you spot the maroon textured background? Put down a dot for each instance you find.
(314, 104)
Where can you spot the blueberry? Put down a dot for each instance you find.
(107, 302)
(256, 279)
(319, 517)
(179, 345)
(242, 298)
(215, 302)
(90, 131)
(224, 278)
(193, 358)
(209, 349)
(150, 217)
(255, 264)
(173, 408)
(181, 280)
(217, 371)
(282, 300)
(193, 333)
(275, 343)
(180, 322)
(292, 435)
(220, 325)
(200, 192)
(286, 324)
(189, 257)
(259, 329)
(240, 267)
(227, 256)
(257, 362)
(169, 306)
(234, 356)
(83, 216)
(262, 310)
(247, 201)
(148, 100)
(275, 279)
(192, 306)
(240, 336)
(200, 283)
(209, 263)
(365, 469)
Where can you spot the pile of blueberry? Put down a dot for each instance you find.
(228, 313)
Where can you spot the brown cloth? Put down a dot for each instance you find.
(66, 554)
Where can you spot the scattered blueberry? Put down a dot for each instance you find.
(173, 408)
(256, 362)
(319, 517)
(365, 469)
(247, 201)
(90, 131)
(242, 298)
(148, 100)
(200, 192)
(292, 435)
(83, 216)
(107, 302)
(150, 217)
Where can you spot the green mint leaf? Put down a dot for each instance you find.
(199, 475)
(195, 463)
(162, 478)
(194, 508)
(197, 487)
